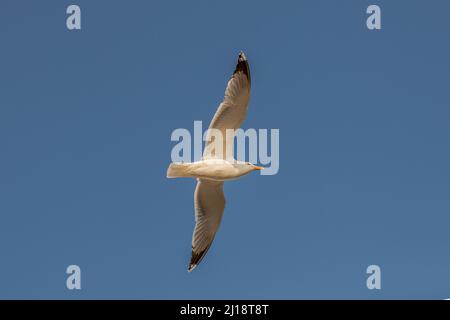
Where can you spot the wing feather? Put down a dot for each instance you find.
(209, 202)
(231, 112)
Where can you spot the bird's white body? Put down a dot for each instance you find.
(211, 169)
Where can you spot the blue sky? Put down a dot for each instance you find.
(85, 124)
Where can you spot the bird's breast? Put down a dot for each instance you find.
(219, 170)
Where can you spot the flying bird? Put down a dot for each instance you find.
(217, 165)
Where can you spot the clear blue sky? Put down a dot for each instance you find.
(85, 124)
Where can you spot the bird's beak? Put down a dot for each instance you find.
(258, 168)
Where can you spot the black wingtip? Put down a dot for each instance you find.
(191, 267)
(242, 56)
(196, 258)
(242, 65)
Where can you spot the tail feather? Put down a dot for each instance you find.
(178, 170)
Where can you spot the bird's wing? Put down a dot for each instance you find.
(209, 205)
(231, 112)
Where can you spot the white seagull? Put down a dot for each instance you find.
(217, 167)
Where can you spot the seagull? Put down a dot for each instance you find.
(217, 165)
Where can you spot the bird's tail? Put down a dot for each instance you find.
(178, 170)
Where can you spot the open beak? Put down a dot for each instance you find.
(258, 168)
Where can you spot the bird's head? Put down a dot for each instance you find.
(247, 167)
(255, 167)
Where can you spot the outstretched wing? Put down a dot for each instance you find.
(231, 112)
(209, 205)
